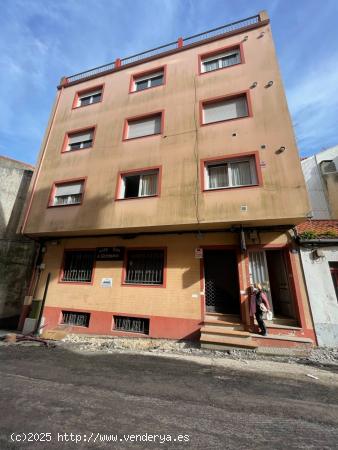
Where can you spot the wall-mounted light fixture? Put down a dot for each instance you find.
(317, 254)
(269, 84)
(280, 150)
(254, 84)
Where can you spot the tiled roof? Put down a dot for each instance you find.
(320, 228)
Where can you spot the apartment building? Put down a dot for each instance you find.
(168, 182)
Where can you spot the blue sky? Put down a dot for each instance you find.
(42, 40)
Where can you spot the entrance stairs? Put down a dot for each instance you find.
(223, 331)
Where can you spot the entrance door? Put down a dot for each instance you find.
(221, 281)
(269, 269)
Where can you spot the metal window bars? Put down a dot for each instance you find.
(78, 319)
(131, 324)
(145, 267)
(78, 266)
(106, 68)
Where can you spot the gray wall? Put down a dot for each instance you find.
(16, 251)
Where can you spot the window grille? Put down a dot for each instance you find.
(131, 324)
(78, 319)
(145, 267)
(78, 266)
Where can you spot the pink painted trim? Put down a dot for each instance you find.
(143, 116)
(135, 172)
(144, 73)
(206, 161)
(60, 182)
(85, 91)
(221, 98)
(72, 132)
(83, 283)
(201, 56)
(124, 268)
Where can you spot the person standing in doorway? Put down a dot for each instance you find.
(259, 304)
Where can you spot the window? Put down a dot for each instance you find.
(78, 266)
(68, 193)
(131, 324)
(230, 173)
(79, 140)
(139, 184)
(78, 319)
(221, 60)
(88, 97)
(227, 109)
(148, 80)
(146, 126)
(144, 267)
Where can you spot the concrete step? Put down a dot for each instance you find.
(223, 323)
(224, 331)
(281, 340)
(224, 317)
(219, 342)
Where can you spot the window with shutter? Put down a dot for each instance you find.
(146, 126)
(227, 109)
(80, 140)
(221, 60)
(88, 97)
(147, 80)
(68, 193)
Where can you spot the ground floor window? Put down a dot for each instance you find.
(78, 266)
(145, 267)
(78, 319)
(131, 324)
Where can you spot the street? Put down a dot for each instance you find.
(56, 398)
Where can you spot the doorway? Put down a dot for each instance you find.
(269, 268)
(221, 282)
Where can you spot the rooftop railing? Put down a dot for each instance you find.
(181, 42)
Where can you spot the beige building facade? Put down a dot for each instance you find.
(167, 184)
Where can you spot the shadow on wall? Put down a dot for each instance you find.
(16, 259)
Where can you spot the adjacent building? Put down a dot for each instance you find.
(16, 251)
(167, 183)
(318, 239)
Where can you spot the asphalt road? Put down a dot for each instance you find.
(46, 393)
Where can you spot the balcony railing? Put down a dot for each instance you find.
(181, 42)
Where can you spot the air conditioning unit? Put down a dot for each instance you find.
(329, 166)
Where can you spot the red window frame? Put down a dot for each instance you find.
(221, 99)
(206, 161)
(85, 91)
(86, 283)
(142, 116)
(134, 76)
(60, 182)
(136, 172)
(125, 262)
(79, 130)
(201, 56)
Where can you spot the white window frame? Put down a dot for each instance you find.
(218, 57)
(69, 196)
(253, 172)
(140, 174)
(148, 78)
(90, 94)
